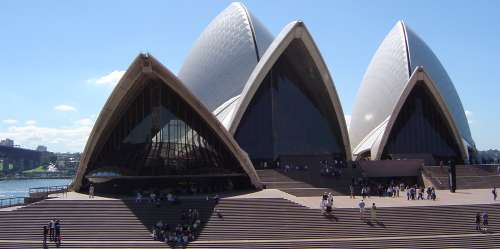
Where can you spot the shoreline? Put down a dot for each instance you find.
(34, 177)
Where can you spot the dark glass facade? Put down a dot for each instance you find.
(160, 135)
(291, 113)
(421, 128)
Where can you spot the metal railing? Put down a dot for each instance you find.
(11, 201)
(45, 191)
(34, 195)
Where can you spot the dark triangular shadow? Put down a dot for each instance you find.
(173, 214)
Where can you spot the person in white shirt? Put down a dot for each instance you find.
(361, 209)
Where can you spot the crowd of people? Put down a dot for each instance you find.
(182, 233)
(155, 197)
(52, 231)
(417, 193)
(332, 167)
(413, 192)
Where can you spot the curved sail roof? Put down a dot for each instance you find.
(400, 53)
(294, 31)
(143, 68)
(419, 76)
(218, 65)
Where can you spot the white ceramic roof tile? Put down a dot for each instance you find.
(382, 85)
(386, 78)
(224, 55)
(422, 55)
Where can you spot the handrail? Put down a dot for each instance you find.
(48, 189)
(485, 165)
(34, 194)
(11, 201)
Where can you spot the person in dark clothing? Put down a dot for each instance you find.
(51, 230)
(57, 237)
(478, 222)
(45, 233)
(485, 221)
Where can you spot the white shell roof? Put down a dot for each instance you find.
(221, 60)
(386, 77)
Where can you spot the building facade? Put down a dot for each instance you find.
(245, 99)
(419, 129)
(280, 89)
(153, 132)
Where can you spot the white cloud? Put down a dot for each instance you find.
(61, 139)
(368, 116)
(347, 119)
(468, 114)
(110, 79)
(9, 121)
(65, 108)
(84, 122)
(31, 122)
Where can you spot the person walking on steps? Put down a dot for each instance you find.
(485, 221)
(51, 229)
(478, 222)
(373, 212)
(45, 233)
(57, 227)
(361, 206)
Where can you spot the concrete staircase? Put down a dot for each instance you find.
(468, 176)
(304, 183)
(249, 223)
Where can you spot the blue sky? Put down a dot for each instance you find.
(59, 59)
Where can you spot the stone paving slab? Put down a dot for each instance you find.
(444, 197)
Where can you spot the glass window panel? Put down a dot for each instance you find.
(422, 129)
(160, 135)
(291, 114)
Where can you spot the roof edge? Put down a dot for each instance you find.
(293, 30)
(147, 65)
(407, 46)
(252, 28)
(419, 74)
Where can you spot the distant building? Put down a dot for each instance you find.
(7, 142)
(21, 159)
(41, 148)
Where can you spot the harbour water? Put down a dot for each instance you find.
(20, 188)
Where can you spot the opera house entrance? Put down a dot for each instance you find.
(153, 137)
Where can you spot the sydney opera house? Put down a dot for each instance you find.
(407, 106)
(245, 99)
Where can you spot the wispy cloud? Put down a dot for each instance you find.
(69, 138)
(468, 114)
(30, 122)
(9, 121)
(65, 108)
(110, 79)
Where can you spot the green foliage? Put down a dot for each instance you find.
(39, 169)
